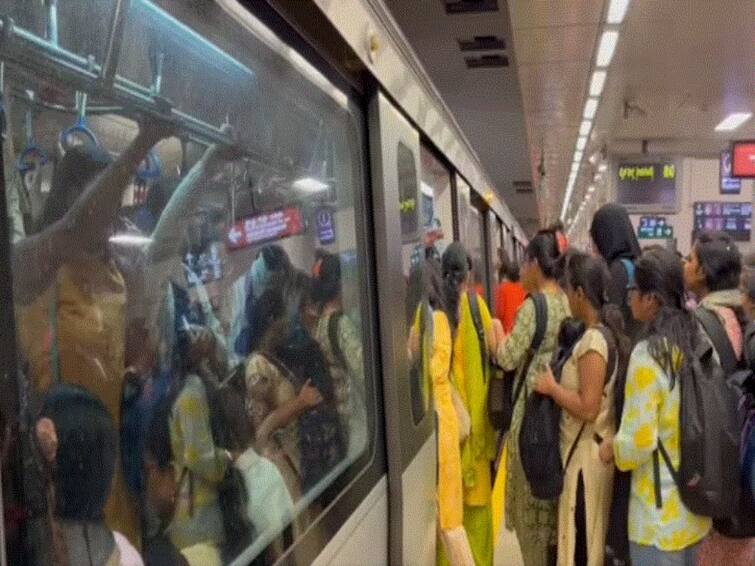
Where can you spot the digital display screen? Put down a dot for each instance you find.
(647, 187)
(654, 227)
(743, 159)
(735, 218)
(265, 228)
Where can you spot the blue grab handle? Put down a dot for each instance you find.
(32, 156)
(79, 129)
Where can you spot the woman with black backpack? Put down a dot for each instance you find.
(661, 528)
(712, 273)
(533, 520)
(584, 392)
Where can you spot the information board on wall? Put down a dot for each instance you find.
(728, 184)
(266, 227)
(735, 218)
(647, 187)
(654, 228)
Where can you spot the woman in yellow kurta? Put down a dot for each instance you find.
(431, 342)
(470, 374)
(70, 296)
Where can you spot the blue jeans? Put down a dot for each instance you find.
(642, 555)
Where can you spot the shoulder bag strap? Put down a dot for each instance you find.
(717, 334)
(573, 446)
(474, 308)
(541, 325)
(335, 342)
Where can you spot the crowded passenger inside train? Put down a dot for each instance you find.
(191, 308)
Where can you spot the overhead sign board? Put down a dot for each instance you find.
(743, 159)
(647, 186)
(735, 218)
(266, 227)
(326, 225)
(654, 228)
(728, 185)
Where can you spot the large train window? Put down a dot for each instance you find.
(188, 279)
(437, 205)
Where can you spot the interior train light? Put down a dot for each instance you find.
(585, 127)
(597, 82)
(733, 121)
(590, 189)
(591, 107)
(616, 11)
(606, 48)
(309, 185)
(603, 167)
(578, 156)
(581, 142)
(129, 239)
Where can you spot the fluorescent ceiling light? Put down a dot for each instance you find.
(309, 185)
(578, 156)
(597, 82)
(617, 9)
(581, 142)
(733, 121)
(584, 127)
(602, 167)
(130, 239)
(591, 107)
(606, 48)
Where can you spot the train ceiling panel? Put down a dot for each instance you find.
(486, 103)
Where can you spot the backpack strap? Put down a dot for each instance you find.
(717, 335)
(541, 325)
(657, 472)
(335, 343)
(629, 268)
(613, 358)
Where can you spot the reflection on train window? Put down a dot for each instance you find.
(407, 194)
(437, 205)
(187, 291)
(412, 253)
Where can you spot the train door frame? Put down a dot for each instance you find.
(411, 447)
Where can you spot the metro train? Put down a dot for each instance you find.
(333, 139)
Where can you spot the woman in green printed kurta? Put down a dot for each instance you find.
(533, 520)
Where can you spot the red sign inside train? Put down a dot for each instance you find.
(743, 159)
(262, 228)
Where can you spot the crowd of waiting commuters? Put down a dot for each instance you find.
(149, 432)
(623, 346)
(170, 440)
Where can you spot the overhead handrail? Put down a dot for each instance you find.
(79, 133)
(33, 156)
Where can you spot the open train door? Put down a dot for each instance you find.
(409, 417)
